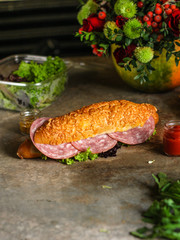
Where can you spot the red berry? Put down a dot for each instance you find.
(93, 45)
(99, 54)
(154, 24)
(175, 9)
(157, 18)
(140, 4)
(173, 6)
(148, 23)
(80, 30)
(158, 10)
(102, 15)
(145, 18)
(95, 51)
(158, 5)
(150, 14)
(166, 6)
(168, 11)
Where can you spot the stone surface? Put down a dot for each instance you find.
(100, 199)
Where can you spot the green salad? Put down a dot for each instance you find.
(33, 84)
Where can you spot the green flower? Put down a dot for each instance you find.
(126, 9)
(132, 28)
(144, 54)
(87, 9)
(110, 30)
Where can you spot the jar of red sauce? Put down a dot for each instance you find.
(171, 138)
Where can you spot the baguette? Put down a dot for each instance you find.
(93, 120)
(99, 126)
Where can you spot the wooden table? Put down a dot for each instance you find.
(48, 200)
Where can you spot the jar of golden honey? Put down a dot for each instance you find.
(27, 117)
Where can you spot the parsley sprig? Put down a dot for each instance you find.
(164, 213)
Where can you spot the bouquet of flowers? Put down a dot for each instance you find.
(141, 30)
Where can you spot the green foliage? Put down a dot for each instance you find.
(164, 213)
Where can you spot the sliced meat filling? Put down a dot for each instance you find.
(61, 151)
(98, 144)
(135, 135)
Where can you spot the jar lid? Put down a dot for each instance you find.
(173, 124)
(30, 112)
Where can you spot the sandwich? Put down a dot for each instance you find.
(98, 127)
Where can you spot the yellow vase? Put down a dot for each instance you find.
(165, 77)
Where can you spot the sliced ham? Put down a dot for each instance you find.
(135, 135)
(61, 151)
(98, 144)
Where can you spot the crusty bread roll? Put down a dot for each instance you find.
(93, 120)
(28, 150)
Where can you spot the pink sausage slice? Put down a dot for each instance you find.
(98, 144)
(61, 151)
(135, 135)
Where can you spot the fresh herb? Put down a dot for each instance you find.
(154, 133)
(67, 161)
(44, 157)
(168, 188)
(81, 157)
(164, 213)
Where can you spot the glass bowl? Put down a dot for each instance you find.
(18, 95)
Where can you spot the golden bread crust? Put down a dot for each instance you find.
(95, 119)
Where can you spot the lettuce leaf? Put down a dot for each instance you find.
(35, 72)
(81, 157)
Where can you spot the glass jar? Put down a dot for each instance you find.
(171, 138)
(27, 117)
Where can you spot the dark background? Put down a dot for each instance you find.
(40, 27)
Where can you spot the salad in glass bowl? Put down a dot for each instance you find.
(29, 81)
